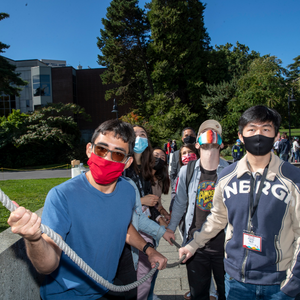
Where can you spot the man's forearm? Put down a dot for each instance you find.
(133, 238)
(43, 254)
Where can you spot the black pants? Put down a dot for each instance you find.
(199, 268)
(126, 274)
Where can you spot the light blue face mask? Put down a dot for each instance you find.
(140, 144)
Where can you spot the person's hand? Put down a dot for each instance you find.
(162, 222)
(149, 200)
(166, 215)
(154, 257)
(168, 235)
(185, 251)
(25, 223)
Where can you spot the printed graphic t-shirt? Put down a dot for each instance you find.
(203, 205)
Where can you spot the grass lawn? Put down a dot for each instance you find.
(228, 157)
(294, 132)
(30, 193)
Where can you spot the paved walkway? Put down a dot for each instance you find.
(171, 284)
(35, 174)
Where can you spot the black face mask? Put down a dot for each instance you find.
(258, 145)
(189, 140)
(159, 164)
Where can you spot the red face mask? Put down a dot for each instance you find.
(104, 171)
(188, 157)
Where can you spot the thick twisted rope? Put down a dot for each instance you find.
(181, 259)
(76, 259)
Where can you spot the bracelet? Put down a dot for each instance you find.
(162, 208)
(147, 246)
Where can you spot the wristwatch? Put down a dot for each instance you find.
(147, 246)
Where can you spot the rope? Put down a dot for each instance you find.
(76, 259)
(181, 259)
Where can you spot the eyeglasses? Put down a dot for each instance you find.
(115, 155)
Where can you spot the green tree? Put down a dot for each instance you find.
(47, 136)
(227, 62)
(294, 69)
(123, 43)
(10, 82)
(217, 97)
(179, 49)
(167, 117)
(226, 65)
(263, 84)
(294, 85)
(11, 126)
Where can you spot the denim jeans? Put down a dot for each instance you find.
(297, 155)
(236, 290)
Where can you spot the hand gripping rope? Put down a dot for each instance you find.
(81, 264)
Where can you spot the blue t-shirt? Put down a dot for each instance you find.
(94, 225)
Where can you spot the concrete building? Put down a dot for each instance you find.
(35, 94)
(52, 81)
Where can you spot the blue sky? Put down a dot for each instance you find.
(68, 30)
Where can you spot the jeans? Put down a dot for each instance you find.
(236, 290)
(297, 155)
(199, 267)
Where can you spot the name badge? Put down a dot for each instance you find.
(252, 242)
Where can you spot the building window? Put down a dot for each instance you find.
(41, 85)
(7, 103)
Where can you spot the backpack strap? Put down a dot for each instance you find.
(189, 174)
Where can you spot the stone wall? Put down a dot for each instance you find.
(18, 278)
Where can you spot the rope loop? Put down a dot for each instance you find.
(81, 264)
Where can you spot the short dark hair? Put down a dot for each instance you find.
(120, 129)
(260, 114)
(186, 128)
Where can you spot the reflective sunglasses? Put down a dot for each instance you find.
(116, 156)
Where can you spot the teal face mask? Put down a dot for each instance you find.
(140, 144)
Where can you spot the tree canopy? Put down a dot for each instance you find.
(123, 43)
(179, 49)
(10, 82)
(163, 64)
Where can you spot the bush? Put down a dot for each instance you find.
(226, 151)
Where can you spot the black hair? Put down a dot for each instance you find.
(186, 128)
(120, 129)
(162, 175)
(147, 160)
(260, 114)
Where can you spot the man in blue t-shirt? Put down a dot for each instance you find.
(92, 213)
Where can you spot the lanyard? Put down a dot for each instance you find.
(254, 203)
